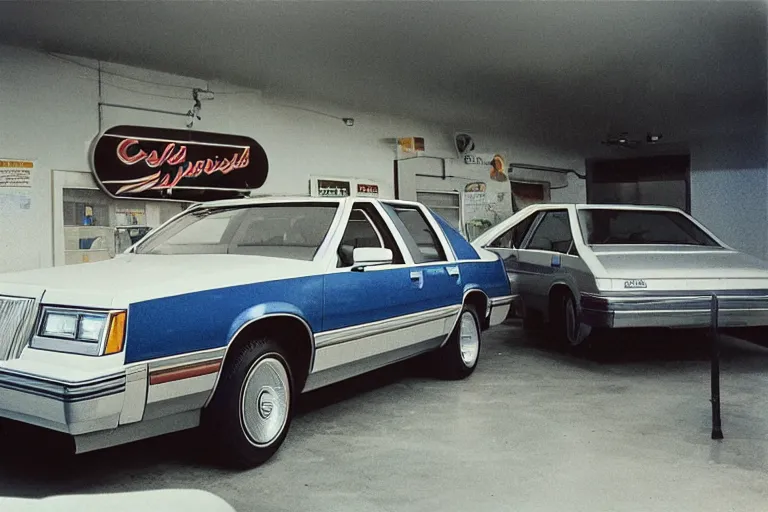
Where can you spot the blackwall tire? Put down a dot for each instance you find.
(458, 358)
(251, 411)
(568, 328)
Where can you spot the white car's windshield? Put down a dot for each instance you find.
(606, 226)
(293, 231)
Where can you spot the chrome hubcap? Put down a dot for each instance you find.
(265, 401)
(469, 339)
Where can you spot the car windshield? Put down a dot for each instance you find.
(605, 226)
(292, 231)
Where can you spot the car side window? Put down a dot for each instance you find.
(513, 238)
(553, 233)
(421, 240)
(365, 228)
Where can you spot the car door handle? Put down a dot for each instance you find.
(415, 275)
(452, 271)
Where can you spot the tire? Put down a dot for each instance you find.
(251, 410)
(566, 323)
(457, 359)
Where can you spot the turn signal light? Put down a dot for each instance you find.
(116, 337)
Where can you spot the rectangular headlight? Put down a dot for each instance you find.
(79, 332)
(59, 324)
(91, 328)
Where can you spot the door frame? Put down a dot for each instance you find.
(677, 159)
(60, 180)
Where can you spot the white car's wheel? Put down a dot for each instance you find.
(250, 414)
(457, 359)
(573, 332)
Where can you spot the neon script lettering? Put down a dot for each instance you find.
(173, 155)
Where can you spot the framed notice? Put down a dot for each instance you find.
(367, 190)
(333, 188)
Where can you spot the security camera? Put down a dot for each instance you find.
(348, 121)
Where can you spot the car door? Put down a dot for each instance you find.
(435, 275)
(507, 246)
(548, 255)
(386, 312)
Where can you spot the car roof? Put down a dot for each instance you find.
(287, 199)
(585, 206)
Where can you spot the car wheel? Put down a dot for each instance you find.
(250, 413)
(566, 323)
(457, 359)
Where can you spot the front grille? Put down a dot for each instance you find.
(16, 318)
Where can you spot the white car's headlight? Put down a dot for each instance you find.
(92, 333)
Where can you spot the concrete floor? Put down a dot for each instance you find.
(534, 429)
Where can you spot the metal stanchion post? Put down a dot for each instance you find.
(714, 335)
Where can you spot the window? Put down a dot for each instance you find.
(293, 231)
(514, 237)
(420, 238)
(359, 233)
(207, 230)
(553, 233)
(615, 226)
(445, 204)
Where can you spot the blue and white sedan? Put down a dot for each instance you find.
(222, 316)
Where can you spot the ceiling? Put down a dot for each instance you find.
(551, 71)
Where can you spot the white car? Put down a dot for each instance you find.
(227, 312)
(578, 267)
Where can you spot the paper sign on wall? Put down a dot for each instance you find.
(16, 173)
(16, 183)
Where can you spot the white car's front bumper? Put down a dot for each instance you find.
(70, 407)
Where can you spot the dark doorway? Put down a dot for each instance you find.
(663, 180)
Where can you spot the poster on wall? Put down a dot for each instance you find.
(16, 183)
(498, 171)
(183, 165)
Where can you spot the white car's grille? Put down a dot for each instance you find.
(16, 317)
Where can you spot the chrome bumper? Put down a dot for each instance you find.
(70, 407)
(736, 309)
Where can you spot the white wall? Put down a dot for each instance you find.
(729, 189)
(49, 112)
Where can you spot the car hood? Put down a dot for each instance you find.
(677, 262)
(135, 277)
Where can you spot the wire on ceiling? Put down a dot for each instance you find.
(144, 93)
(141, 80)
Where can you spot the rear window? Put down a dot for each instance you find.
(606, 226)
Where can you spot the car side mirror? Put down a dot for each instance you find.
(370, 256)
